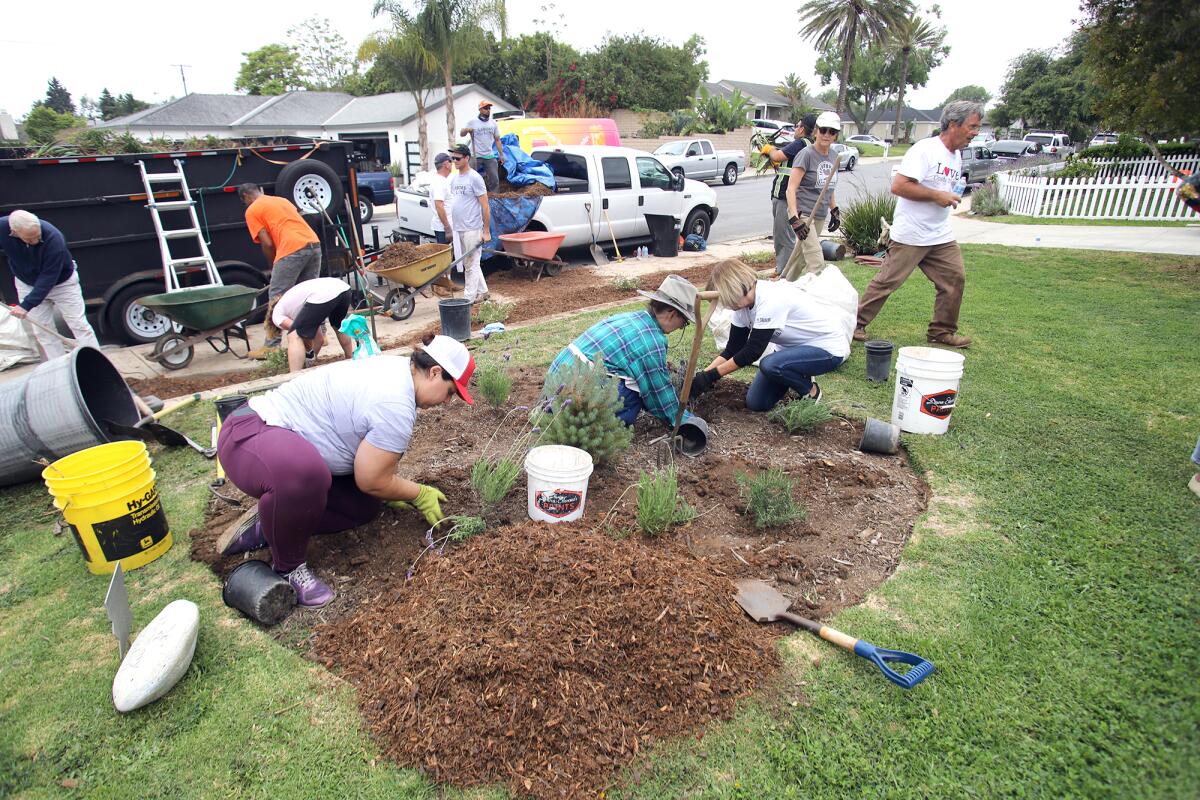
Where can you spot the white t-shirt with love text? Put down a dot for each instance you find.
(922, 223)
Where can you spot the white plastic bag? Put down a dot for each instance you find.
(17, 345)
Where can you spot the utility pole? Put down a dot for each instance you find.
(182, 77)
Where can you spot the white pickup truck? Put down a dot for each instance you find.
(699, 160)
(593, 179)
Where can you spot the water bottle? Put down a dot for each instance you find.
(960, 186)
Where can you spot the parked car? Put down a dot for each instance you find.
(592, 179)
(978, 163)
(374, 189)
(866, 138)
(1012, 149)
(849, 155)
(778, 131)
(698, 160)
(982, 140)
(1055, 143)
(1102, 139)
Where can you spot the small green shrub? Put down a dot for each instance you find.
(1076, 168)
(490, 311)
(758, 257)
(581, 408)
(460, 527)
(987, 202)
(659, 506)
(627, 283)
(861, 226)
(769, 498)
(494, 384)
(493, 479)
(276, 362)
(800, 415)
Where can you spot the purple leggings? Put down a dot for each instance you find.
(297, 495)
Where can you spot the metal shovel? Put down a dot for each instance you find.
(150, 431)
(598, 254)
(760, 600)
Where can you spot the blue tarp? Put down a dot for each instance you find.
(510, 215)
(523, 170)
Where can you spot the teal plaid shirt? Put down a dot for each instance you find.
(634, 346)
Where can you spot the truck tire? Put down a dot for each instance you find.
(731, 174)
(366, 209)
(698, 222)
(131, 321)
(299, 177)
(679, 173)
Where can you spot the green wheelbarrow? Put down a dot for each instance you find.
(213, 314)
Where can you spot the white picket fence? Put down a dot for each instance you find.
(1134, 189)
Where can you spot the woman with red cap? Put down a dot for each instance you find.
(320, 452)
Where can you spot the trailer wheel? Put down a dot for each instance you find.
(132, 321)
(300, 178)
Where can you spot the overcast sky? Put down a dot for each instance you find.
(132, 46)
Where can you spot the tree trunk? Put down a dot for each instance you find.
(900, 99)
(847, 60)
(422, 133)
(1159, 156)
(451, 127)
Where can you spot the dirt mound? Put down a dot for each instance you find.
(402, 253)
(507, 190)
(545, 657)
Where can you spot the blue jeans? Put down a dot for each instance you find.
(631, 404)
(442, 237)
(789, 368)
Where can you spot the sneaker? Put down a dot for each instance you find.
(816, 398)
(311, 591)
(242, 536)
(860, 334)
(950, 340)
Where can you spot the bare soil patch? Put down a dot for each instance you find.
(449, 665)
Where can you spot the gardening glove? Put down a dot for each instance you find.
(427, 501)
(703, 381)
(835, 219)
(800, 227)
(766, 150)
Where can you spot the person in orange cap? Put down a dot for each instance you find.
(485, 145)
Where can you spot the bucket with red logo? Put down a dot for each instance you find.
(927, 381)
(558, 480)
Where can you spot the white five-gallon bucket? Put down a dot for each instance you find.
(558, 481)
(926, 388)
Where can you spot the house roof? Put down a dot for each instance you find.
(887, 113)
(301, 109)
(761, 94)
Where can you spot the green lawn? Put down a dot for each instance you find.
(870, 150)
(1053, 583)
(1016, 219)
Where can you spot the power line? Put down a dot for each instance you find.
(183, 77)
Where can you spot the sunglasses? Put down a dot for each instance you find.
(828, 131)
(457, 158)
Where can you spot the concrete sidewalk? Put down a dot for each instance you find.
(1119, 238)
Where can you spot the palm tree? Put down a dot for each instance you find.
(410, 67)
(447, 29)
(795, 91)
(915, 33)
(846, 22)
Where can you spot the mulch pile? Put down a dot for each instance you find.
(403, 253)
(544, 657)
(535, 189)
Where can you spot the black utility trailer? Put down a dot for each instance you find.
(99, 203)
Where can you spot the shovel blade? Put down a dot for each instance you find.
(598, 255)
(760, 600)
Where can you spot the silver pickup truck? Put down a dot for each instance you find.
(698, 160)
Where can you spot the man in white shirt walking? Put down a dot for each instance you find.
(439, 188)
(925, 188)
(472, 221)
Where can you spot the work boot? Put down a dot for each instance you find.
(311, 591)
(261, 353)
(860, 334)
(950, 340)
(242, 536)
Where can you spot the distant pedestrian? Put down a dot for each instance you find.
(46, 278)
(811, 194)
(439, 187)
(485, 145)
(472, 221)
(782, 235)
(921, 234)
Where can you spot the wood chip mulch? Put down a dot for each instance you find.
(544, 657)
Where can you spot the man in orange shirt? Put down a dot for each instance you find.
(290, 245)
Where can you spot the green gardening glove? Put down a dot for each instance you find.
(428, 502)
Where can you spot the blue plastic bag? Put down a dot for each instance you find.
(356, 328)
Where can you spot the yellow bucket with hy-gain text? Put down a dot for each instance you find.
(109, 499)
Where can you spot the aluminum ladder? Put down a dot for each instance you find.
(172, 266)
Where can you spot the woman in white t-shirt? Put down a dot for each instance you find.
(302, 310)
(810, 337)
(320, 452)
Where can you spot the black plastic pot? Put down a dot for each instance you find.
(228, 404)
(259, 592)
(456, 318)
(666, 238)
(879, 437)
(693, 436)
(879, 360)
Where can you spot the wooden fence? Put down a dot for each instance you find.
(1133, 189)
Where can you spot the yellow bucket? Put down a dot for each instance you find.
(80, 471)
(119, 516)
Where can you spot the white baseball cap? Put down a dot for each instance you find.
(452, 356)
(829, 119)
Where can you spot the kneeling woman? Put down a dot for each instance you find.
(811, 339)
(634, 346)
(320, 452)
(302, 311)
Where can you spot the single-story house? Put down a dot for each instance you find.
(768, 103)
(383, 127)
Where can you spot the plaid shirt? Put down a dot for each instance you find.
(634, 347)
